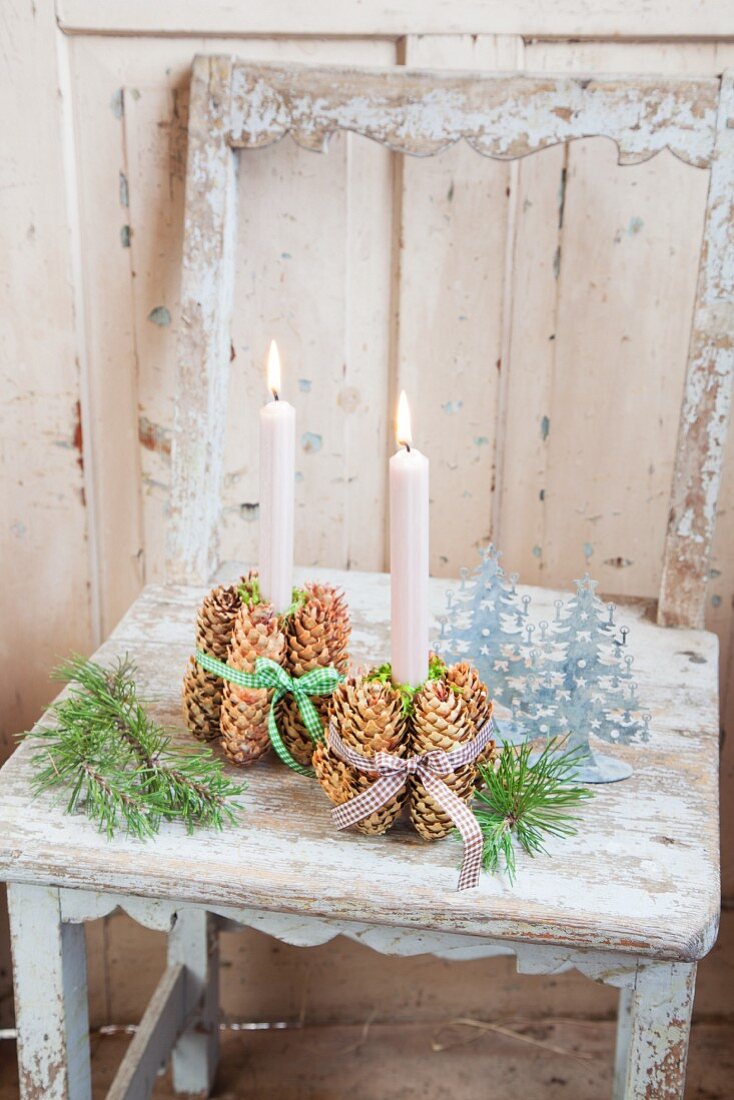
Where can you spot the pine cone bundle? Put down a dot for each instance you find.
(369, 718)
(202, 690)
(316, 636)
(440, 720)
(244, 714)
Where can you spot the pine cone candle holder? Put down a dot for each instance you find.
(369, 717)
(202, 690)
(316, 636)
(244, 716)
(310, 644)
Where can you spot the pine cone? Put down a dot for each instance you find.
(244, 716)
(215, 621)
(440, 720)
(466, 681)
(316, 636)
(369, 718)
(202, 690)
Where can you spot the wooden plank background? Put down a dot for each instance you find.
(538, 313)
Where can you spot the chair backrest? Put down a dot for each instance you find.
(239, 105)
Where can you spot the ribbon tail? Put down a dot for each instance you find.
(465, 822)
(374, 798)
(311, 718)
(279, 745)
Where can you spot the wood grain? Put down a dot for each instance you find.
(704, 417)
(570, 19)
(106, 317)
(207, 287)
(44, 457)
(455, 213)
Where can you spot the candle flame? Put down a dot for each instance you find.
(274, 369)
(404, 434)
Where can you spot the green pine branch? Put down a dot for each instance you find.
(118, 765)
(527, 802)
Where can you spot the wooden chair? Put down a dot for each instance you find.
(633, 903)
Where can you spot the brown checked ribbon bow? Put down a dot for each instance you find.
(392, 775)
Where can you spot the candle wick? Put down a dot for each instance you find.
(407, 447)
(276, 395)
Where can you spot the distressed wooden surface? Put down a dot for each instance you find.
(498, 115)
(207, 286)
(105, 285)
(553, 505)
(161, 1024)
(422, 113)
(570, 19)
(704, 419)
(193, 943)
(455, 214)
(658, 1042)
(53, 1025)
(630, 882)
(610, 494)
(653, 1025)
(45, 454)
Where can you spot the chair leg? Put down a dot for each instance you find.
(624, 1034)
(50, 977)
(194, 942)
(655, 1039)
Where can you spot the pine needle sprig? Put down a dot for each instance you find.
(527, 802)
(120, 766)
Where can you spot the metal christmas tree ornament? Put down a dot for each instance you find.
(570, 677)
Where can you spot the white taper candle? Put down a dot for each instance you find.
(408, 556)
(277, 480)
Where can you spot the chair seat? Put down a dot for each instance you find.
(640, 877)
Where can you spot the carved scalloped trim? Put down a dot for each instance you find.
(305, 931)
(499, 115)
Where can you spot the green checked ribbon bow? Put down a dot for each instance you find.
(269, 675)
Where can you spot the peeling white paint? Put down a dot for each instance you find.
(502, 116)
